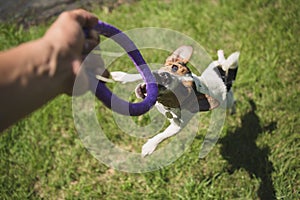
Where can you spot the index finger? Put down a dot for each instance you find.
(84, 18)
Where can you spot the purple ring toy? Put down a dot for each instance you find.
(106, 96)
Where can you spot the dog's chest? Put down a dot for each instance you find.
(169, 101)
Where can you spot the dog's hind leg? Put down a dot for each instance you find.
(228, 70)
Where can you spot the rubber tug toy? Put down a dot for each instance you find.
(109, 99)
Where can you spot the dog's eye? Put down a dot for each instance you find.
(174, 68)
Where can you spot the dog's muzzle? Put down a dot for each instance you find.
(163, 79)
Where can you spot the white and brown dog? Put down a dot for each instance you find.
(181, 90)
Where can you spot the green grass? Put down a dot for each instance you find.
(257, 156)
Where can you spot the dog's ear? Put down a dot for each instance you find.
(207, 102)
(213, 103)
(204, 101)
(182, 54)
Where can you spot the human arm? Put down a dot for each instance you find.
(38, 71)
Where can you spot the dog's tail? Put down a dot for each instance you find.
(228, 68)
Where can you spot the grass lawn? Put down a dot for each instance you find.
(257, 155)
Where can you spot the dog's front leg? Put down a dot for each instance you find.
(152, 143)
(125, 77)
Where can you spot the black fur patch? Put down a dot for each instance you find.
(228, 80)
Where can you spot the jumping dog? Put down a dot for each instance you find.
(181, 90)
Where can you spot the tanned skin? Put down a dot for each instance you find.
(35, 72)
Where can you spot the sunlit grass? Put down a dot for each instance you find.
(257, 155)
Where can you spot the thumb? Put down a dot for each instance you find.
(91, 42)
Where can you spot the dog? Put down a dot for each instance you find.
(181, 90)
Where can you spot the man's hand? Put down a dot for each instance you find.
(37, 71)
(67, 38)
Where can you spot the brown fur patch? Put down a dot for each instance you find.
(181, 69)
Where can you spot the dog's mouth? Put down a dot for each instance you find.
(171, 90)
(165, 81)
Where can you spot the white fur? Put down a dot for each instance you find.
(124, 77)
(209, 83)
(152, 143)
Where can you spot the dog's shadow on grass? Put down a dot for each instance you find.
(240, 150)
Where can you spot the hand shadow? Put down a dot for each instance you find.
(240, 150)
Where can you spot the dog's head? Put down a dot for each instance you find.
(176, 84)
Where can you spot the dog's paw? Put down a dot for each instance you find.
(119, 76)
(149, 147)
